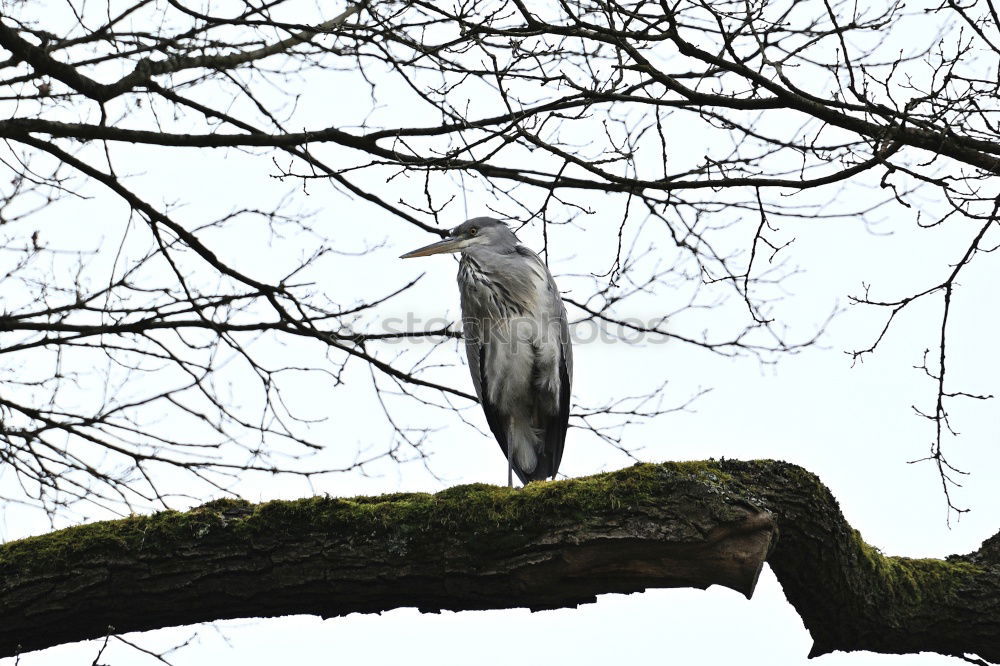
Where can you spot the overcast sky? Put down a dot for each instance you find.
(852, 426)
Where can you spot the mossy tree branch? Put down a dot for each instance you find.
(476, 547)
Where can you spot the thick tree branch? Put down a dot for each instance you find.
(18, 128)
(146, 69)
(476, 547)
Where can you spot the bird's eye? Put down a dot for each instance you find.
(473, 231)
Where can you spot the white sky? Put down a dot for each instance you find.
(851, 426)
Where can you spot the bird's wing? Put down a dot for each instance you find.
(556, 424)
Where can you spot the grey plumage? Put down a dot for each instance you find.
(516, 341)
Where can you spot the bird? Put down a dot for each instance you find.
(516, 341)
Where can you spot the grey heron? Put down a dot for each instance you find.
(517, 343)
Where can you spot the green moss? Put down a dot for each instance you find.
(704, 470)
(907, 579)
(226, 505)
(411, 520)
(61, 549)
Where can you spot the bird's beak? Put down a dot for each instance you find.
(447, 245)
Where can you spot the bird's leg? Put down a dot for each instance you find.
(510, 453)
(510, 467)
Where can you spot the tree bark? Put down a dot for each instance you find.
(549, 545)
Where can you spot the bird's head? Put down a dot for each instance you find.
(477, 232)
